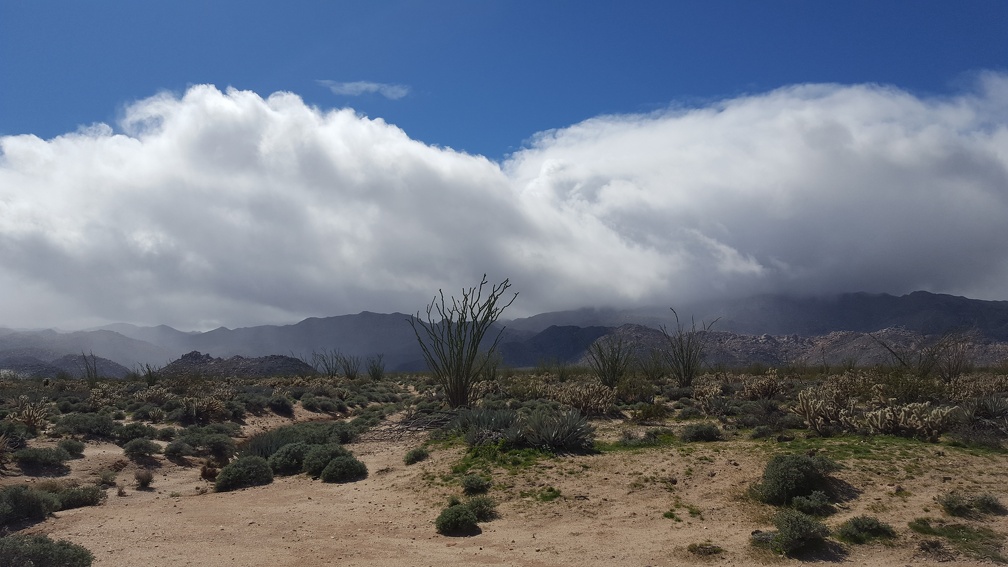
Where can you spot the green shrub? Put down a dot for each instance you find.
(106, 478)
(166, 434)
(244, 472)
(344, 469)
(796, 530)
(73, 447)
(815, 504)
(475, 484)
(90, 424)
(281, 406)
(289, 459)
(317, 458)
(220, 446)
(19, 504)
(483, 507)
(956, 503)
(126, 433)
(701, 432)
(416, 455)
(140, 449)
(41, 457)
(787, 476)
(80, 496)
(178, 450)
(456, 520)
(18, 550)
(861, 529)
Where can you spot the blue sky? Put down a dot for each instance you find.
(235, 163)
(482, 76)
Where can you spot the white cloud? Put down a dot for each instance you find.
(227, 208)
(357, 88)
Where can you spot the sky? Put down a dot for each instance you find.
(236, 163)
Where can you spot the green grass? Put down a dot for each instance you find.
(547, 494)
(978, 542)
(489, 457)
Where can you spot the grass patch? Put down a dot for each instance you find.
(978, 542)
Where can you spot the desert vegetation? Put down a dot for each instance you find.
(828, 454)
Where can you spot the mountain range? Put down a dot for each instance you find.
(557, 336)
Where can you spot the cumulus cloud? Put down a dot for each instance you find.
(229, 208)
(357, 88)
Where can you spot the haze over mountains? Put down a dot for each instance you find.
(529, 341)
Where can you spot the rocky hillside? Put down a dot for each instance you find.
(198, 364)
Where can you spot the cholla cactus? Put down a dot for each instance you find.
(916, 420)
(708, 397)
(105, 394)
(764, 387)
(155, 395)
(203, 409)
(590, 398)
(823, 408)
(33, 415)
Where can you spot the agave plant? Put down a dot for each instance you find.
(567, 431)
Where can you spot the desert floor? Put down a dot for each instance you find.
(610, 511)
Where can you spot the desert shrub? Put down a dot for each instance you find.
(178, 450)
(106, 478)
(475, 484)
(313, 433)
(89, 424)
(73, 447)
(344, 469)
(558, 431)
(289, 459)
(482, 426)
(456, 520)
(41, 457)
(416, 455)
(19, 550)
(796, 530)
(787, 476)
(317, 458)
(126, 433)
(861, 529)
(166, 434)
(143, 477)
(220, 446)
(815, 504)
(20, 504)
(690, 412)
(139, 449)
(701, 432)
(280, 405)
(80, 496)
(956, 503)
(483, 507)
(650, 412)
(243, 472)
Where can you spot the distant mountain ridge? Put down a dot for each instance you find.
(560, 336)
(921, 312)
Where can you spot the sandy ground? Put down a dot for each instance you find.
(610, 512)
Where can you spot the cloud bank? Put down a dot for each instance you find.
(227, 208)
(357, 88)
